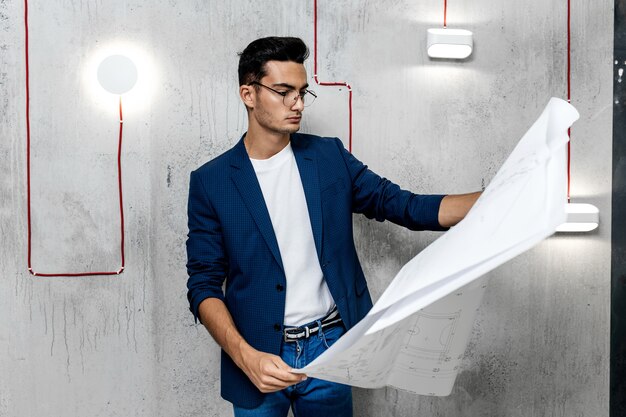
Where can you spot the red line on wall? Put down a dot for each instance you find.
(28, 177)
(331, 83)
(569, 93)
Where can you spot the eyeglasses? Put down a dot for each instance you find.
(290, 97)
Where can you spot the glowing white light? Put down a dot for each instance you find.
(449, 43)
(580, 218)
(117, 74)
(136, 99)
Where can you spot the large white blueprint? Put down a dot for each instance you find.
(415, 335)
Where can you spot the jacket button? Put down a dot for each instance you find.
(279, 287)
(277, 327)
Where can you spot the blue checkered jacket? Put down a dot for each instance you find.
(231, 239)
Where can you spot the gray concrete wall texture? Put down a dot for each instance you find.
(127, 346)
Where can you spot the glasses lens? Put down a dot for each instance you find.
(308, 98)
(292, 96)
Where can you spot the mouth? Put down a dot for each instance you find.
(294, 119)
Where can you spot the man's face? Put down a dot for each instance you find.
(268, 109)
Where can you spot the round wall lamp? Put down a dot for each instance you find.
(117, 74)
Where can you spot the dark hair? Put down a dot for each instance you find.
(252, 60)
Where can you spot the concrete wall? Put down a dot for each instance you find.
(127, 346)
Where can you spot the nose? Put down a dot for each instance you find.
(298, 103)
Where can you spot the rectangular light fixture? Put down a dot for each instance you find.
(580, 218)
(449, 43)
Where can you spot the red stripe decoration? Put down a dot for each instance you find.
(331, 83)
(569, 94)
(28, 176)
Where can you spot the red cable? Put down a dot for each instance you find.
(332, 83)
(569, 93)
(119, 181)
(27, 133)
(445, 13)
(119, 172)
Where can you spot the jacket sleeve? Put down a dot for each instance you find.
(207, 264)
(378, 198)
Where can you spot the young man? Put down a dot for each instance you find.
(273, 218)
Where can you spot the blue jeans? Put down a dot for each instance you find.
(311, 397)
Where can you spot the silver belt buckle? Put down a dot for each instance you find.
(285, 334)
(305, 330)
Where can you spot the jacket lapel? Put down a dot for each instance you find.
(307, 165)
(248, 186)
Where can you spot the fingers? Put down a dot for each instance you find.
(269, 372)
(268, 383)
(282, 372)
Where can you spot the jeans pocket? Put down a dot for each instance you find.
(326, 344)
(330, 336)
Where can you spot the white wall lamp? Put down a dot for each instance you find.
(581, 217)
(117, 74)
(449, 43)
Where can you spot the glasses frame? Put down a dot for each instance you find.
(301, 96)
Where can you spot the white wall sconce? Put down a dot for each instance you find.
(449, 43)
(580, 218)
(117, 74)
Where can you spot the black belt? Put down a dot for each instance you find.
(291, 334)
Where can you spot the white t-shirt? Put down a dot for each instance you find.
(308, 297)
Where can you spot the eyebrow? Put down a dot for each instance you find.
(289, 86)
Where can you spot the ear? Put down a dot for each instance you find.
(247, 93)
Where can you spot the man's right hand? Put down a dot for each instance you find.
(269, 373)
(266, 371)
